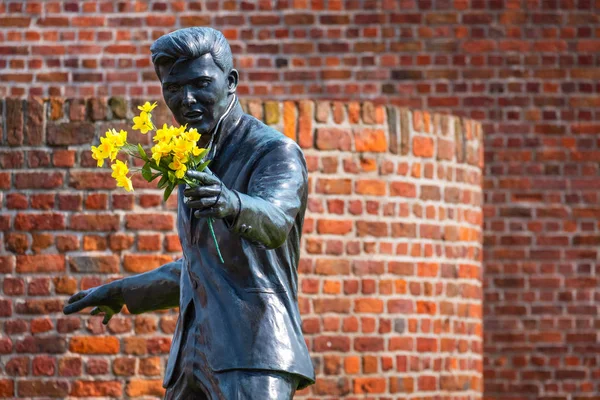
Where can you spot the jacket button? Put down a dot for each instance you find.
(195, 284)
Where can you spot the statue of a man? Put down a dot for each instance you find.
(239, 332)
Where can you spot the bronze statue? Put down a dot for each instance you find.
(239, 332)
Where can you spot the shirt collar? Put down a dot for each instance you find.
(224, 128)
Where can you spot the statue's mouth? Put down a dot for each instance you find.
(193, 116)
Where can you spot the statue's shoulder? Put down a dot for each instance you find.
(267, 135)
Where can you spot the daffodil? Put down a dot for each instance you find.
(147, 107)
(165, 134)
(196, 151)
(120, 169)
(182, 148)
(125, 183)
(118, 139)
(143, 123)
(160, 150)
(192, 135)
(98, 155)
(179, 167)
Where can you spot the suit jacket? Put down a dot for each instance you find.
(245, 312)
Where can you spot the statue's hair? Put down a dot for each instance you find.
(191, 43)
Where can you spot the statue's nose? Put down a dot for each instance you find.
(188, 97)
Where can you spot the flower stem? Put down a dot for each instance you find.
(210, 223)
(212, 231)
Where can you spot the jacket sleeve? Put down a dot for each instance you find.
(277, 190)
(153, 290)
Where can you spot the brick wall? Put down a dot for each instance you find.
(528, 69)
(390, 273)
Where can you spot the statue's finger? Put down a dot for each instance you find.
(96, 311)
(210, 212)
(77, 296)
(87, 301)
(201, 177)
(204, 202)
(203, 191)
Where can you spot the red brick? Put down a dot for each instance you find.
(143, 263)
(94, 222)
(161, 222)
(335, 227)
(370, 140)
(50, 388)
(369, 385)
(39, 222)
(94, 345)
(305, 124)
(370, 187)
(143, 387)
(97, 389)
(333, 139)
(40, 263)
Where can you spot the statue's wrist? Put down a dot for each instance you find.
(234, 210)
(115, 289)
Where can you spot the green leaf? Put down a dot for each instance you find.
(142, 152)
(147, 172)
(203, 165)
(172, 177)
(153, 177)
(168, 191)
(164, 181)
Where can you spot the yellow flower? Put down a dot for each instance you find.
(107, 148)
(147, 107)
(125, 183)
(179, 167)
(165, 134)
(98, 155)
(181, 147)
(160, 150)
(192, 135)
(143, 123)
(120, 169)
(120, 172)
(118, 139)
(196, 150)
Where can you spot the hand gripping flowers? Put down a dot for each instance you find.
(174, 152)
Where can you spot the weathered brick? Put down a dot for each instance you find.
(40, 263)
(143, 263)
(94, 345)
(94, 222)
(94, 264)
(333, 139)
(69, 133)
(370, 140)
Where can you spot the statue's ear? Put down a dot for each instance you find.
(232, 81)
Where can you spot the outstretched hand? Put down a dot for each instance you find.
(211, 198)
(105, 299)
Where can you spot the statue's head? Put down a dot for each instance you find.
(195, 67)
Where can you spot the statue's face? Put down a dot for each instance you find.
(196, 91)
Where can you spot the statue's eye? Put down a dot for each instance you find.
(202, 83)
(171, 87)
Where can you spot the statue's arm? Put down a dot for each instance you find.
(153, 290)
(276, 191)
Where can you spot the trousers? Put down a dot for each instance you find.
(236, 385)
(194, 379)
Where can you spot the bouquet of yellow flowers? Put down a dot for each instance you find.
(175, 151)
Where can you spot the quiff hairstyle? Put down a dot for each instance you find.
(191, 43)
